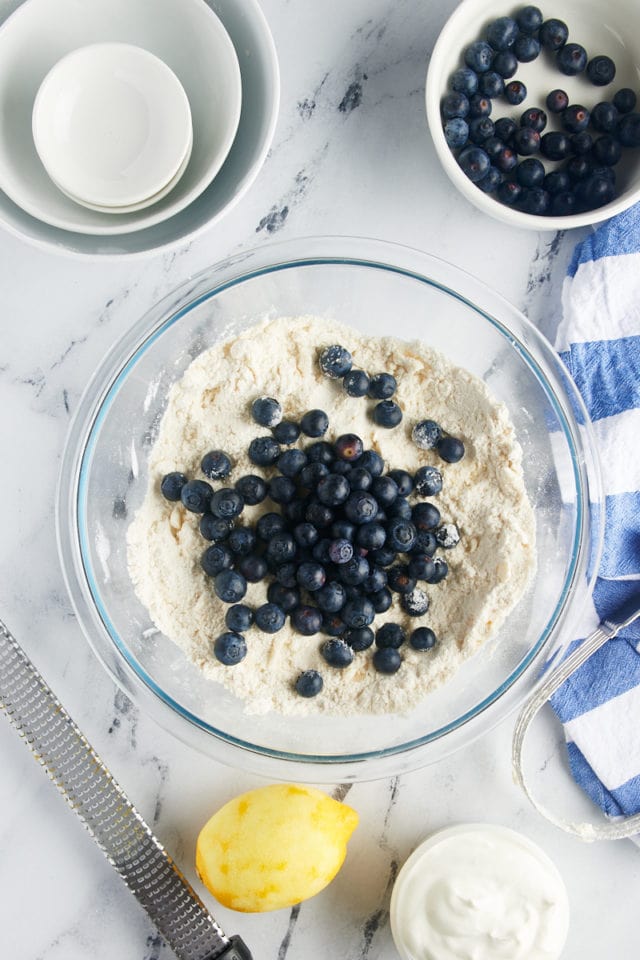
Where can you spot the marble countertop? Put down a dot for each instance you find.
(351, 155)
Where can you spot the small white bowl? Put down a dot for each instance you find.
(112, 125)
(611, 28)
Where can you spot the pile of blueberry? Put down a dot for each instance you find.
(342, 539)
(585, 148)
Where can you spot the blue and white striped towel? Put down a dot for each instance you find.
(599, 340)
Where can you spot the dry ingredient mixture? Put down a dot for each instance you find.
(402, 538)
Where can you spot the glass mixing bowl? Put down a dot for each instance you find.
(379, 289)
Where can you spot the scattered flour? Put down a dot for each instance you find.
(483, 494)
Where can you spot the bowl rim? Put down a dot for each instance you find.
(64, 242)
(440, 55)
(81, 440)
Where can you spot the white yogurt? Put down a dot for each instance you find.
(479, 892)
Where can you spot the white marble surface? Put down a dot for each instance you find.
(351, 155)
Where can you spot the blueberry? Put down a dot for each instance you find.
(601, 71)
(385, 490)
(480, 130)
(629, 130)
(529, 19)
(509, 192)
(595, 191)
(390, 635)
(571, 59)
(425, 544)
(291, 462)
(252, 489)
(453, 105)
(581, 143)
(360, 479)
(286, 575)
(216, 558)
(309, 683)
(227, 503)
(506, 161)
(493, 147)
(214, 528)
(264, 451)
(387, 413)
(575, 118)
(270, 618)
(382, 386)
(448, 536)
(216, 465)
(479, 56)
(456, 133)
(356, 382)
(349, 447)
(534, 200)
(252, 567)
(607, 150)
(335, 361)
(230, 648)
(238, 618)
(421, 568)
(579, 168)
(230, 586)
(371, 461)
(286, 432)
(501, 33)
(422, 639)
(196, 496)
(479, 106)
(505, 127)
(359, 638)
(403, 481)
(553, 34)
(294, 512)
(306, 620)
(333, 625)
(305, 534)
(425, 516)
(242, 541)
(557, 101)
(526, 48)
(354, 571)
(535, 118)
(376, 580)
(266, 411)
(554, 146)
(341, 551)
(371, 536)
(321, 452)
(319, 514)
(504, 64)
(492, 181)
(526, 141)
(337, 653)
(311, 576)
(464, 81)
(333, 490)
(281, 548)
(315, 423)
(428, 481)
(172, 484)
(557, 181)
(416, 603)
(383, 557)
(515, 92)
(361, 507)
(310, 476)
(332, 597)
(344, 529)
(286, 597)
(441, 570)
(400, 580)
(450, 448)
(625, 100)
(564, 203)
(269, 524)
(387, 660)
(343, 468)
(401, 535)
(604, 117)
(381, 600)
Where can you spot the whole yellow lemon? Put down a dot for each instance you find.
(273, 847)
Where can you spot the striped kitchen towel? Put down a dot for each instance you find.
(599, 340)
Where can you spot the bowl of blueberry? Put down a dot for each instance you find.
(535, 111)
(327, 509)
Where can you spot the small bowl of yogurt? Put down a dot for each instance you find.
(479, 892)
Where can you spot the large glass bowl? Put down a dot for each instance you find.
(379, 289)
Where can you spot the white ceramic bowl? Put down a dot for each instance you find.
(175, 31)
(112, 125)
(611, 28)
